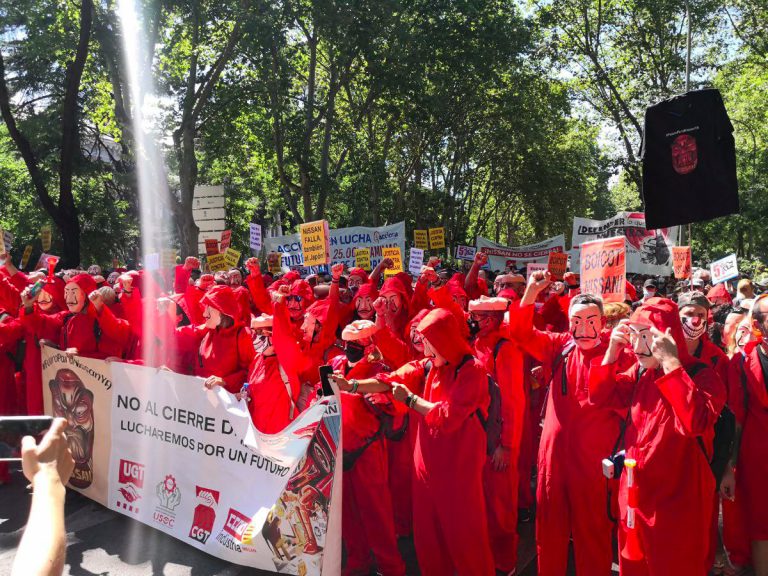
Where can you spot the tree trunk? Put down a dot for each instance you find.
(185, 221)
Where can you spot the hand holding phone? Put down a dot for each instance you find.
(14, 428)
(325, 374)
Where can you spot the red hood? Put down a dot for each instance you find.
(85, 281)
(509, 294)
(456, 290)
(55, 287)
(395, 285)
(406, 281)
(319, 309)
(291, 276)
(718, 294)
(359, 272)
(223, 299)
(440, 327)
(366, 289)
(303, 289)
(663, 313)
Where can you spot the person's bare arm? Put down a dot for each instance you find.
(385, 264)
(47, 466)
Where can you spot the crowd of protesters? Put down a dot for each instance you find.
(458, 391)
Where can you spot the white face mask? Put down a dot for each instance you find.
(693, 327)
(648, 293)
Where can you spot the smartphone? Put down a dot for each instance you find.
(325, 373)
(14, 428)
(36, 288)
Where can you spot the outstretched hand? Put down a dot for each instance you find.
(51, 457)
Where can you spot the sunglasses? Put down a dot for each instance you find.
(294, 298)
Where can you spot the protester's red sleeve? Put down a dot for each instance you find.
(133, 311)
(255, 283)
(543, 346)
(735, 381)
(512, 386)
(327, 335)
(192, 297)
(469, 393)
(394, 350)
(411, 375)
(39, 323)
(287, 348)
(696, 402)
(19, 280)
(114, 328)
(188, 338)
(9, 295)
(181, 279)
(553, 315)
(245, 354)
(608, 387)
(11, 332)
(419, 299)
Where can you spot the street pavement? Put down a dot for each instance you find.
(101, 542)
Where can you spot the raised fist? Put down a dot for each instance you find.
(191, 263)
(336, 271)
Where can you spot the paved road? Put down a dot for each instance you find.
(101, 542)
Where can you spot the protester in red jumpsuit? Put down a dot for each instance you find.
(447, 388)
(572, 495)
(694, 310)
(367, 518)
(505, 362)
(673, 404)
(224, 347)
(748, 398)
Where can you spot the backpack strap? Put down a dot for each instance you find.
(287, 384)
(692, 371)
(559, 359)
(496, 349)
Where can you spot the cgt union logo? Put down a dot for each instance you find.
(237, 533)
(169, 497)
(131, 479)
(204, 515)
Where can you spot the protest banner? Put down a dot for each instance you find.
(532, 267)
(421, 239)
(315, 246)
(45, 261)
(501, 257)
(226, 240)
(152, 261)
(465, 252)
(45, 237)
(648, 251)
(168, 258)
(415, 261)
(217, 262)
(255, 236)
(198, 470)
(724, 269)
(363, 258)
(232, 257)
(397, 259)
(275, 262)
(343, 242)
(211, 246)
(557, 264)
(604, 268)
(681, 261)
(436, 238)
(25, 256)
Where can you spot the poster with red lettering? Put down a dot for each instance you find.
(681, 260)
(604, 268)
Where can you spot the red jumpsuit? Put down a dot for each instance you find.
(572, 493)
(10, 332)
(752, 413)
(673, 478)
(367, 520)
(501, 487)
(449, 518)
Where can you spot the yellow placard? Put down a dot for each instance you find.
(275, 262)
(26, 255)
(232, 257)
(217, 262)
(397, 258)
(436, 238)
(45, 237)
(168, 258)
(363, 258)
(314, 243)
(420, 239)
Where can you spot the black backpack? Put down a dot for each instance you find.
(493, 424)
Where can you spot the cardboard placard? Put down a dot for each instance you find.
(211, 246)
(681, 261)
(226, 239)
(557, 264)
(275, 262)
(25, 256)
(232, 257)
(217, 262)
(45, 260)
(315, 243)
(255, 236)
(604, 268)
(168, 258)
(465, 252)
(363, 258)
(724, 269)
(397, 259)
(45, 237)
(436, 238)
(420, 239)
(415, 261)
(532, 267)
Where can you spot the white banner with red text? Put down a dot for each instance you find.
(501, 258)
(156, 446)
